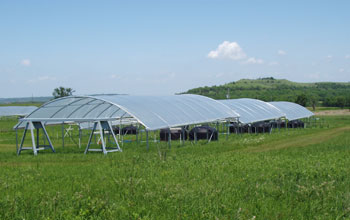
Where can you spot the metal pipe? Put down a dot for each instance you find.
(147, 139)
(62, 135)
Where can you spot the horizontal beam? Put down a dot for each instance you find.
(67, 120)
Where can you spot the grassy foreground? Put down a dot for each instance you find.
(295, 174)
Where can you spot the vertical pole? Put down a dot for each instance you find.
(169, 138)
(79, 136)
(137, 132)
(227, 130)
(37, 137)
(147, 139)
(183, 135)
(16, 139)
(63, 135)
(195, 135)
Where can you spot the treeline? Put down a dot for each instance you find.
(270, 89)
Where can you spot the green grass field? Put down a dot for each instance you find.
(289, 174)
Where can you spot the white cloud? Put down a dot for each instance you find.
(347, 56)
(273, 63)
(228, 50)
(42, 78)
(281, 52)
(114, 76)
(25, 62)
(253, 60)
(341, 70)
(329, 56)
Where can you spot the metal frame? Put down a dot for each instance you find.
(35, 146)
(103, 125)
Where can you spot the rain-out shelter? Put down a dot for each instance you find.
(292, 110)
(153, 112)
(253, 110)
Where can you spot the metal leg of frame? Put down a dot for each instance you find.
(90, 138)
(23, 137)
(37, 137)
(169, 138)
(114, 137)
(16, 140)
(102, 138)
(33, 138)
(63, 135)
(47, 137)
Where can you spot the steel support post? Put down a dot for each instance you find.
(147, 139)
(63, 135)
(169, 138)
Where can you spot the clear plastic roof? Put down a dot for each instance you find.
(253, 110)
(292, 110)
(154, 112)
(16, 110)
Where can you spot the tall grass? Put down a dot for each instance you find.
(295, 174)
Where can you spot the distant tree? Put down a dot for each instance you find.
(340, 101)
(313, 101)
(348, 102)
(301, 100)
(62, 92)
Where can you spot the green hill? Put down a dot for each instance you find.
(270, 89)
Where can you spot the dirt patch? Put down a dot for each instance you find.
(334, 112)
(301, 141)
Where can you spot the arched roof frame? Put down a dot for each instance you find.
(292, 110)
(153, 112)
(253, 110)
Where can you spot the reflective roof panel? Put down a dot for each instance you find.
(154, 112)
(157, 112)
(292, 110)
(253, 110)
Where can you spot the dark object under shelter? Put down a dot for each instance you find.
(296, 124)
(261, 127)
(175, 134)
(126, 130)
(203, 132)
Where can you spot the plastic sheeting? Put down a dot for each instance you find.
(16, 110)
(253, 110)
(292, 110)
(154, 112)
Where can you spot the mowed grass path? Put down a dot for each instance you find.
(295, 174)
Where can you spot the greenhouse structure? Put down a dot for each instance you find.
(153, 112)
(101, 113)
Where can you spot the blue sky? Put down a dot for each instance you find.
(165, 47)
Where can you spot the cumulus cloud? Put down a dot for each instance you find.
(228, 50)
(329, 56)
(232, 51)
(25, 62)
(281, 52)
(253, 60)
